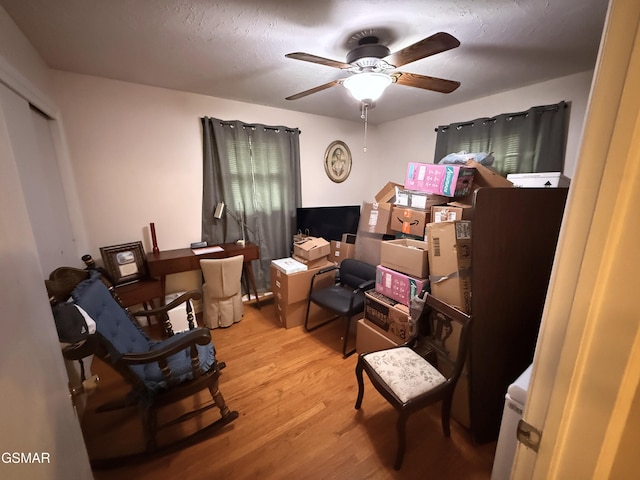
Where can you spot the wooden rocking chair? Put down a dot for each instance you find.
(159, 372)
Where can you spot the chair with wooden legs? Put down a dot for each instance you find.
(159, 373)
(411, 377)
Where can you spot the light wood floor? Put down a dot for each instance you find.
(295, 395)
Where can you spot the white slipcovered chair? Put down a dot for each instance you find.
(222, 291)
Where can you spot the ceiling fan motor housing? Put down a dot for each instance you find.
(367, 51)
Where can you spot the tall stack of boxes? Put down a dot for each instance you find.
(291, 281)
(418, 234)
(430, 251)
(400, 275)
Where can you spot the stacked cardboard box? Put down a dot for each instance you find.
(406, 255)
(391, 317)
(311, 251)
(449, 246)
(374, 225)
(447, 180)
(289, 265)
(400, 275)
(345, 248)
(436, 203)
(410, 221)
(290, 292)
(397, 285)
(371, 338)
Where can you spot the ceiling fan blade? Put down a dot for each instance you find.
(314, 90)
(436, 43)
(422, 81)
(307, 57)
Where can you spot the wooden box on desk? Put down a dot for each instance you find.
(290, 293)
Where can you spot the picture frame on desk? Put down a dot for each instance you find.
(125, 263)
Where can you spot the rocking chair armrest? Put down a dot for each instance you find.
(171, 346)
(191, 294)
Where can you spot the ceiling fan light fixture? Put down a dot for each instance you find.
(367, 85)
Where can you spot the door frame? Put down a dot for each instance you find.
(586, 368)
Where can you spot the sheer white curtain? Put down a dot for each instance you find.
(255, 170)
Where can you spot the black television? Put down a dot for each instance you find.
(328, 222)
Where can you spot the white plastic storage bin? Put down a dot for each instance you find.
(539, 180)
(511, 415)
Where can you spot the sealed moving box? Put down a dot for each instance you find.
(446, 180)
(289, 265)
(391, 316)
(398, 286)
(409, 220)
(446, 213)
(449, 246)
(419, 200)
(375, 218)
(341, 250)
(290, 292)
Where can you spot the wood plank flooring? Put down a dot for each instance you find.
(295, 395)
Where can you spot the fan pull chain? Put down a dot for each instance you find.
(364, 115)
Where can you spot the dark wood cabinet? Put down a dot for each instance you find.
(515, 232)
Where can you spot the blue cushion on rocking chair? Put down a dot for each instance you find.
(115, 325)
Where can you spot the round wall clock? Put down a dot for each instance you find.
(337, 161)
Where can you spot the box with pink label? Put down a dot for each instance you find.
(447, 180)
(398, 286)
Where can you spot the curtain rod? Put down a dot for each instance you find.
(266, 127)
(546, 108)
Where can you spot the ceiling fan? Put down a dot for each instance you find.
(373, 67)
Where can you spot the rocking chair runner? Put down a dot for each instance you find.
(159, 372)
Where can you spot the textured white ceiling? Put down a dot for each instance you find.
(235, 49)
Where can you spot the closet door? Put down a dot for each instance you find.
(33, 147)
(36, 412)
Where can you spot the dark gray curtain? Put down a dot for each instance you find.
(255, 171)
(523, 142)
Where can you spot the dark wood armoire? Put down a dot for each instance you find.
(515, 232)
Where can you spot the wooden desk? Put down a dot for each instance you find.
(167, 262)
(142, 292)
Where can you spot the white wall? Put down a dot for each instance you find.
(137, 150)
(414, 138)
(137, 156)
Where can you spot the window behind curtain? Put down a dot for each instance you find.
(255, 171)
(523, 142)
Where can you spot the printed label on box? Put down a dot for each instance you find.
(373, 218)
(463, 230)
(444, 216)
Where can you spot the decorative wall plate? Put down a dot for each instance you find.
(337, 161)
